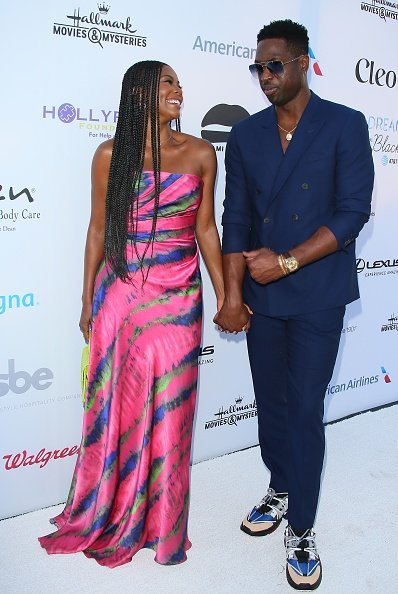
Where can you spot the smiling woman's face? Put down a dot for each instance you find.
(170, 95)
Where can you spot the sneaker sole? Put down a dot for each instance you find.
(264, 532)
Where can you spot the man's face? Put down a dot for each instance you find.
(283, 88)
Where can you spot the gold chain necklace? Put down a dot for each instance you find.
(162, 141)
(288, 132)
(168, 139)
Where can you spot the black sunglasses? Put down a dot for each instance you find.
(276, 67)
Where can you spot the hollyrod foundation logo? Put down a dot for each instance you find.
(15, 207)
(99, 123)
(239, 411)
(99, 28)
(381, 8)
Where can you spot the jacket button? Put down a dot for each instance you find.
(295, 217)
(258, 191)
(267, 220)
(304, 186)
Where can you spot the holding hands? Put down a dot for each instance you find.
(233, 318)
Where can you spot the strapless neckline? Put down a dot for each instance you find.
(173, 173)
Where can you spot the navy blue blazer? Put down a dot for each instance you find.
(279, 200)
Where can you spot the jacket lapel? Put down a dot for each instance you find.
(310, 123)
(267, 154)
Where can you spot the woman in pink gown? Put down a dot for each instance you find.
(152, 202)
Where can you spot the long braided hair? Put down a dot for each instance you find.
(139, 103)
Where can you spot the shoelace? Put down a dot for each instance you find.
(278, 507)
(303, 546)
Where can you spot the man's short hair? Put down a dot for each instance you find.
(295, 35)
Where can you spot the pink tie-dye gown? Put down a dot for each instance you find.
(130, 488)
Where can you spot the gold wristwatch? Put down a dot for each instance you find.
(290, 262)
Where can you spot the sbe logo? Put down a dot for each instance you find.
(367, 72)
(20, 382)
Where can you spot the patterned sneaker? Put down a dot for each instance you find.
(303, 565)
(267, 515)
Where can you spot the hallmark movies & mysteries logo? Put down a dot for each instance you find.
(383, 9)
(234, 414)
(99, 28)
(392, 324)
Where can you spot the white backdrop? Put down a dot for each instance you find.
(61, 70)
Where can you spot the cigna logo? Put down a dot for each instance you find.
(315, 64)
(367, 72)
(19, 382)
(16, 301)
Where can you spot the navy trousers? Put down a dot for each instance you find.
(292, 361)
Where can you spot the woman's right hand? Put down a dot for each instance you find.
(85, 321)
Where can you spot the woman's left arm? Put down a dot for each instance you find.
(206, 229)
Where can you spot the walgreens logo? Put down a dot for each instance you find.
(19, 382)
(14, 461)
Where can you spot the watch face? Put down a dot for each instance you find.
(291, 263)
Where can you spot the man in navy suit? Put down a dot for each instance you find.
(299, 180)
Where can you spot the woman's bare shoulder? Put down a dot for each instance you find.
(104, 150)
(197, 144)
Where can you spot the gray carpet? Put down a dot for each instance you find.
(356, 529)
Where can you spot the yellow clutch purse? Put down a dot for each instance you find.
(84, 370)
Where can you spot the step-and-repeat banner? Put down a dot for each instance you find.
(61, 69)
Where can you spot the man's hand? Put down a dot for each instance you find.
(233, 318)
(263, 265)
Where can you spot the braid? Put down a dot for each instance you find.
(139, 101)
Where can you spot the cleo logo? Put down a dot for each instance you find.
(386, 376)
(315, 64)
